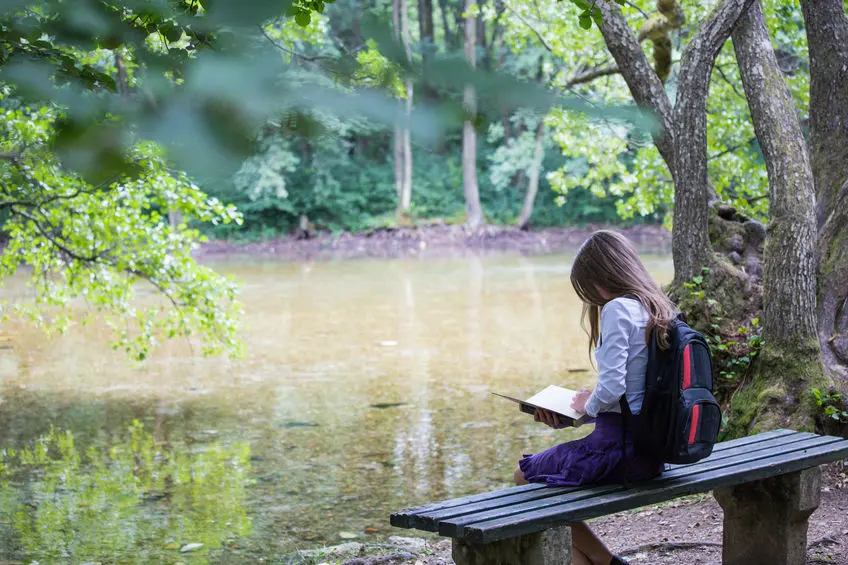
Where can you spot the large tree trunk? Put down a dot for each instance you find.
(690, 238)
(827, 37)
(533, 183)
(790, 360)
(473, 210)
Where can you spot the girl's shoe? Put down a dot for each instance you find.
(616, 560)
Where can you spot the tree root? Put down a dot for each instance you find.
(668, 546)
(684, 545)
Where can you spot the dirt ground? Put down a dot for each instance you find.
(686, 531)
(432, 240)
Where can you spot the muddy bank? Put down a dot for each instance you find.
(436, 240)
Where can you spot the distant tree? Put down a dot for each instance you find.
(473, 210)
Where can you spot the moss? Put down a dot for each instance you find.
(656, 28)
(778, 394)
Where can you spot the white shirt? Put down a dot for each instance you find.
(621, 357)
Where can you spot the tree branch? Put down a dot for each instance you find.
(538, 34)
(643, 82)
(728, 81)
(590, 75)
(309, 58)
(55, 242)
(636, 6)
(731, 149)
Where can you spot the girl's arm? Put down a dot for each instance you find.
(611, 356)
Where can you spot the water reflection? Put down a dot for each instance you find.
(366, 388)
(135, 499)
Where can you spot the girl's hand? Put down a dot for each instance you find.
(579, 402)
(549, 419)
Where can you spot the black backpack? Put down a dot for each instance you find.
(680, 418)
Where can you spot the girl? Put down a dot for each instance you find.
(623, 305)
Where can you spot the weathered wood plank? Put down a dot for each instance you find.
(752, 441)
(510, 505)
(429, 520)
(571, 493)
(401, 517)
(661, 490)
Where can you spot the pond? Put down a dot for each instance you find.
(366, 388)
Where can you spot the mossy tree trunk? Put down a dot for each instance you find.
(827, 37)
(790, 361)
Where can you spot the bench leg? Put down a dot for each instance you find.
(765, 522)
(551, 547)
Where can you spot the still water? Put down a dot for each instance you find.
(366, 388)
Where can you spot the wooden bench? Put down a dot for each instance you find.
(767, 484)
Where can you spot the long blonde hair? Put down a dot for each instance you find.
(607, 260)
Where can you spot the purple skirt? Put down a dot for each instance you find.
(597, 459)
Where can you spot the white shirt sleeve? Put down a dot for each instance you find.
(611, 357)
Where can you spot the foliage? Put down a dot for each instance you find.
(735, 339)
(101, 503)
(830, 404)
(93, 243)
(626, 165)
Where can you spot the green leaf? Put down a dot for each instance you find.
(598, 17)
(303, 18)
(585, 20)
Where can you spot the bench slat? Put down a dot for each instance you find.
(664, 489)
(429, 520)
(401, 518)
(454, 527)
(410, 517)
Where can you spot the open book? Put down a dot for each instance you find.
(554, 398)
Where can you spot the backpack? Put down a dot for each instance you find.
(680, 418)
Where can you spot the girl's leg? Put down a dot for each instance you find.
(519, 477)
(588, 549)
(589, 545)
(579, 558)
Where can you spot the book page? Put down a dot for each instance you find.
(556, 399)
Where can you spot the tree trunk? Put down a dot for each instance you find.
(533, 184)
(790, 360)
(402, 143)
(480, 37)
(406, 196)
(397, 155)
(827, 38)
(450, 35)
(644, 84)
(507, 124)
(682, 136)
(690, 237)
(473, 210)
(425, 29)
